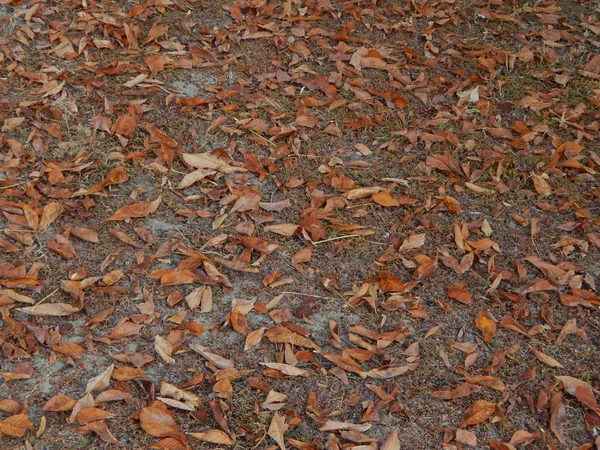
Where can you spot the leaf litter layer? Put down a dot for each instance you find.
(299, 224)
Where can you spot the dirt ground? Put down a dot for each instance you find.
(392, 220)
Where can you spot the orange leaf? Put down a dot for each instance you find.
(92, 414)
(478, 412)
(136, 210)
(486, 325)
(50, 213)
(125, 125)
(458, 291)
(389, 283)
(385, 198)
(60, 403)
(214, 437)
(157, 421)
(15, 426)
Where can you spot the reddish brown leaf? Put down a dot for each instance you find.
(15, 426)
(136, 210)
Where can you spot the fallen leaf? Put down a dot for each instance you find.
(486, 325)
(214, 437)
(254, 338)
(101, 381)
(558, 416)
(478, 412)
(208, 161)
(157, 421)
(541, 185)
(136, 210)
(51, 309)
(15, 426)
(392, 442)
(60, 403)
(277, 430)
(547, 359)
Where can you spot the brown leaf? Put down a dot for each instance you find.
(459, 291)
(385, 198)
(541, 185)
(486, 380)
(92, 414)
(136, 210)
(391, 371)
(239, 322)
(62, 245)
(208, 161)
(478, 412)
(85, 234)
(194, 177)
(60, 403)
(31, 216)
(392, 442)
(546, 359)
(461, 391)
(100, 382)
(100, 428)
(155, 32)
(346, 363)
(303, 255)
(282, 335)
(123, 237)
(451, 203)
(466, 437)
(287, 369)
(277, 429)
(523, 437)
(214, 437)
(71, 349)
(127, 373)
(15, 426)
(125, 125)
(284, 229)
(12, 123)
(254, 338)
(202, 297)
(334, 425)
(213, 358)
(164, 349)
(412, 242)
(51, 309)
(389, 283)
(558, 416)
(581, 390)
(156, 420)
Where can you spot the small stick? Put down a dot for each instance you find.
(347, 236)
(38, 384)
(44, 299)
(305, 295)
(17, 184)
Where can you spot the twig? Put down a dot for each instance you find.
(38, 383)
(44, 299)
(17, 184)
(261, 439)
(347, 236)
(306, 295)
(265, 138)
